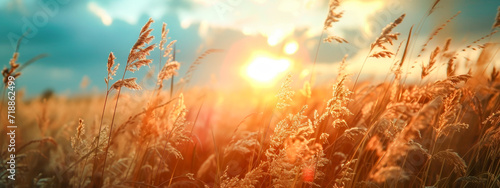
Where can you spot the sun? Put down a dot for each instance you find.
(291, 47)
(263, 69)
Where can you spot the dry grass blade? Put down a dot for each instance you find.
(405, 52)
(111, 62)
(306, 89)
(426, 70)
(480, 39)
(497, 20)
(336, 107)
(144, 37)
(139, 55)
(493, 76)
(386, 36)
(15, 69)
(459, 78)
(492, 118)
(285, 93)
(138, 64)
(342, 67)
(472, 180)
(139, 51)
(197, 62)
(335, 38)
(447, 45)
(128, 83)
(32, 60)
(80, 130)
(382, 54)
(486, 179)
(452, 158)
(111, 70)
(451, 68)
(168, 71)
(168, 50)
(333, 16)
(454, 127)
(436, 32)
(433, 7)
(394, 133)
(7, 72)
(164, 33)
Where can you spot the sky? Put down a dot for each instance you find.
(78, 35)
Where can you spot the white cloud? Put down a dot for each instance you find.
(131, 10)
(268, 18)
(100, 12)
(279, 19)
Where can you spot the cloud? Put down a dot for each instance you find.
(281, 18)
(277, 19)
(100, 12)
(131, 11)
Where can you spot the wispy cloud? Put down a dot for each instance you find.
(279, 19)
(100, 12)
(274, 19)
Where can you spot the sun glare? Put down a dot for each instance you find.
(264, 69)
(291, 47)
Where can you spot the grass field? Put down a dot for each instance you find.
(440, 129)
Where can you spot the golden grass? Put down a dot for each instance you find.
(441, 133)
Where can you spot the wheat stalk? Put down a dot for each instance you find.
(436, 32)
(332, 16)
(450, 157)
(197, 62)
(138, 53)
(426, 70)
(433, 7)
(382, 54)
(386, 36)
(497, 20)
(285, 93)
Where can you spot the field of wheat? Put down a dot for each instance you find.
(439, 130)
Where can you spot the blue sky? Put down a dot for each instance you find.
(79, 34)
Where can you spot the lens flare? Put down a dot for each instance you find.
(291, 47)
(265, 69)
